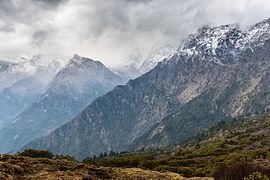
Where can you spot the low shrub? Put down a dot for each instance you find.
(36, 153)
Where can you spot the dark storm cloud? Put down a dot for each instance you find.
(110, 29)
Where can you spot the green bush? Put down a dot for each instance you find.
(187, 172)
(36, 153)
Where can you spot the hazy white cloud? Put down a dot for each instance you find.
(109, 30)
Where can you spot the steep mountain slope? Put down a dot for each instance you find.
(242, 140)
(75, 86)
(10, 72)
(243, 89)
(214, 73)
(30, 79)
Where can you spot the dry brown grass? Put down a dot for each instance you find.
(19, 167)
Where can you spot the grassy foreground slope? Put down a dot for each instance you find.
(21, 167)
(216, 152)
(225, 144)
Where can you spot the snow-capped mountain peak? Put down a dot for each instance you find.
(138, 62)
(208, 40)
(39, 66)
(258, 33)
(222, 44)
(83, 62)
(77, 59)
(37, 63)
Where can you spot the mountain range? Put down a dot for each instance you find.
(174, 93)
(22, 83)
(78, 83)
(216, 74)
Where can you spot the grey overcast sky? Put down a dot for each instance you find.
(109, 30)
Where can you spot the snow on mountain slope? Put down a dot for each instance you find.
(23, 82)
(11, 72)
(138, 62)
(71, 90)
(213, 42)
(4, 65)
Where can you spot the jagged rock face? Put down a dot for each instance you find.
(211, 71)
(23, 83)
(71, 90)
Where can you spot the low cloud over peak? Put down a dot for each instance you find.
(109, 30)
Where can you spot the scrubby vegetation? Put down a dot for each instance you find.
(227, 151)
(224, 145)
(24, 167)
(34, 153)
